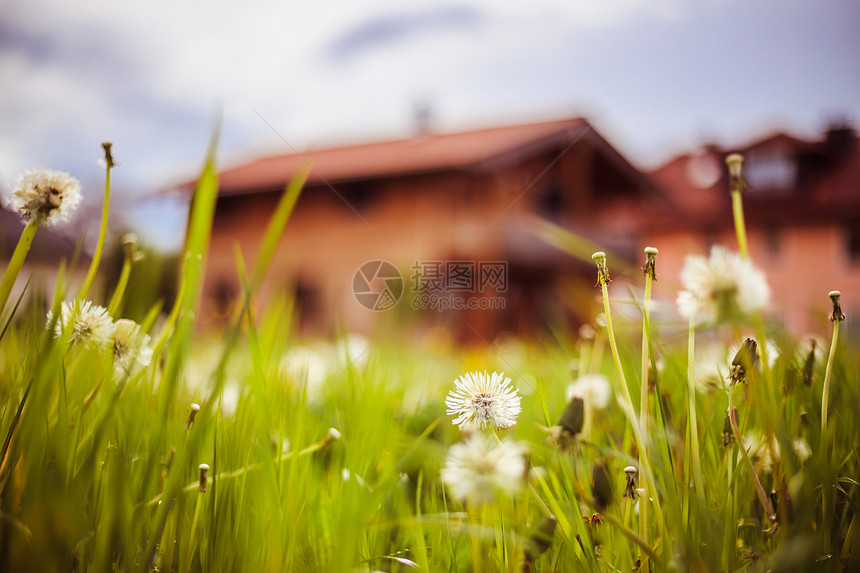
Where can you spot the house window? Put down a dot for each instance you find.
(360, 194)
(771, 172)
(551, 201)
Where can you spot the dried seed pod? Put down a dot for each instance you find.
(744, 361)
(601, 485)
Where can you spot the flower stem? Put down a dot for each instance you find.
(97, 255)
(765, 502)
(121, 285)
(643, 403)
(691, 408)
(17, 260)
(826, 497)
(828, 372)
(627, 403)
(735, 164)
(740, 225)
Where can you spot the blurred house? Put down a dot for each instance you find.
(802, 211)
(437, 207)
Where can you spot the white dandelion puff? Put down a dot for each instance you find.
(801, 449)
(594, 389)
(480, 400)
(44, 193)
(480, 469)
(306, 366)
(711, 369)
(767, 451)
(722, 287)
(91, 325)
(131, 347)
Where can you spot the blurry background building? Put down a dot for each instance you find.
(802, 209)
(476, 197)
(469, 197)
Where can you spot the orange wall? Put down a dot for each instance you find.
(438, 216)
(809, 263)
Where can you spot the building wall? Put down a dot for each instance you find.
(431, 217)
(450, 215)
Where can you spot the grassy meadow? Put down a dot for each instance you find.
(340, 454)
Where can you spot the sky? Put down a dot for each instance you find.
(656, 78)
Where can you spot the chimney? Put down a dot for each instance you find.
(839, 139)
(423, 116)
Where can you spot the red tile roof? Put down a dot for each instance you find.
(466, 150)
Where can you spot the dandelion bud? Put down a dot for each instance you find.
(194, 409)
(650, 267)
(130, 247)
(540, 540)
(744, 361)
(599, 259)
(204, 474)
(809, 364)
(108, 157)
(170, 458)
(735, 163)
(837, 313)
(570, 425)
(601, 485)
(630, 473)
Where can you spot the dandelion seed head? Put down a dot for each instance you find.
(711, 368)
(594, 389)
(92, 326)
(131, 347)
(587, 331)
(801, 449)
(480, 400)
(480, 469)
(721, 288)
(53, 195)
(306, 366)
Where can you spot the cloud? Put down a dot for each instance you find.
(387, 30)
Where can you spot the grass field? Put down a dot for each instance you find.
(341, 454)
